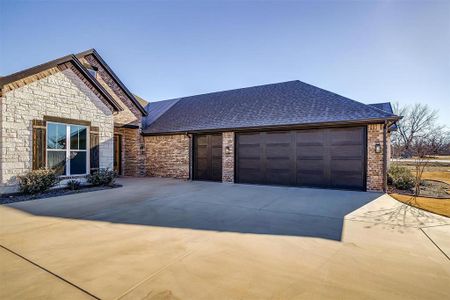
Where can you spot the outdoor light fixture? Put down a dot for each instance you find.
(377, 148)
(227, 150)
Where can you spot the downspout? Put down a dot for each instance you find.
(191, 155)
(385, 156)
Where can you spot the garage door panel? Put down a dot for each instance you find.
(250, 176)
(316, 157)
(249, 151)
(347, 151)
(310, 152)
(344, 180)
(349, 165)
(278, 150)
(346, 136)
(309, 137)
(251, 138)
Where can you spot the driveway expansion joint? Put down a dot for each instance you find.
(434, 243)
(49, 272)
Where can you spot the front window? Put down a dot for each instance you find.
(67, 149)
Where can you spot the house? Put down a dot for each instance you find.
(73, 109)
(74, 114)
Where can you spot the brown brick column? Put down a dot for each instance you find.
(374, 160)
(228, 157)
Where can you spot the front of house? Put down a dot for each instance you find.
(75, 115)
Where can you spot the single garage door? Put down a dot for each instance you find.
(208, 157)
(330, 158)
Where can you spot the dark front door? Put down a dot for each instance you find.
(118, 153)
(208, 157)
(333, 157)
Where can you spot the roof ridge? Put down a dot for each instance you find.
(368, 105)
(236, 89)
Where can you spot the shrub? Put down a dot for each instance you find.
(400, 177)
(73, 184)
(37, 181)
(102, 177)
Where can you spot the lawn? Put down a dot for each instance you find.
(435, 171)
(434, 205)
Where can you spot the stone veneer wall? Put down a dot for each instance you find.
(57, 94)
(133, 151)
(375, 178)
(228, 158)
(167, 155)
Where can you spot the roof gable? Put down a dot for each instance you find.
(70, 61)
(114, 77)
(272, 105)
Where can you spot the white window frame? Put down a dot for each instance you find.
(68, 149)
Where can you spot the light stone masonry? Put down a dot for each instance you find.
(60, 94)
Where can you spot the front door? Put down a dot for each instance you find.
(118, 154)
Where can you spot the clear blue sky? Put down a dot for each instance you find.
(368, 51)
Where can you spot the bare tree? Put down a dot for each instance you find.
(418, 120)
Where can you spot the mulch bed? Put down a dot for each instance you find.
(431, 189)
(6, 199)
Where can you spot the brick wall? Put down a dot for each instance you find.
(375, 178)
(58, 94)
(167, 156)
(130, 114)
(228, 158)
(133, 151)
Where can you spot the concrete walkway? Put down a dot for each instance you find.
(171, 239)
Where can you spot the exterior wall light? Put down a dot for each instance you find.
(377, 148)
(227, 150)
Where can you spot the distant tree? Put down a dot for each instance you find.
(419, 125)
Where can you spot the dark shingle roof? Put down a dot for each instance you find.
(286, 103)
(155, 110)
(385, 106)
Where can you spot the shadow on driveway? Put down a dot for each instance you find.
(210, 206)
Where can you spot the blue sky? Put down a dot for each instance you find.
(370, 51)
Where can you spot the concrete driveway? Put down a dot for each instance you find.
(171, 239)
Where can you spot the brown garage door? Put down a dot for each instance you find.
(208, 157)
(333, 157)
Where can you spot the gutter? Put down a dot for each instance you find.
(277, 127)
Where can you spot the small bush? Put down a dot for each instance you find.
(73, 184)
(37, 181)
(102, 177)
(400, 177)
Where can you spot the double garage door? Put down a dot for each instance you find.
(330, 158)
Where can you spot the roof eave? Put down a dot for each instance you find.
(280, 127)
(55, 63)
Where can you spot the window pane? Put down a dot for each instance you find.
(77, 162)
(56, 136)
(57, 160)
(73, 137)
(77, 137)
(82, 138)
